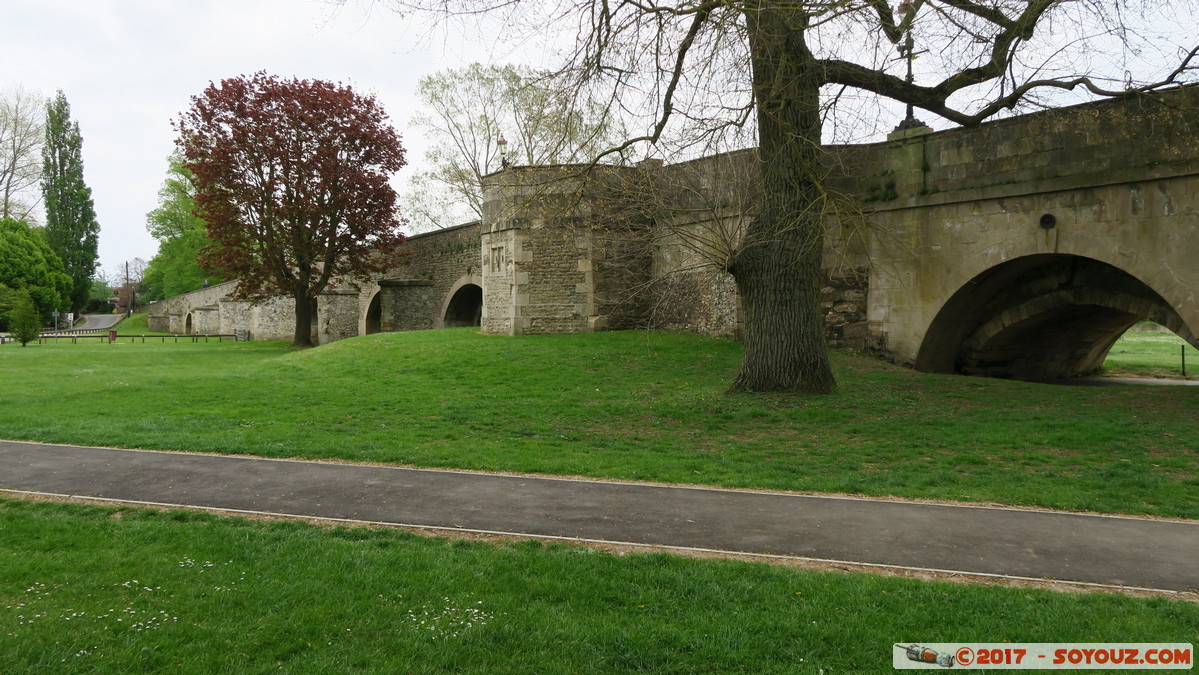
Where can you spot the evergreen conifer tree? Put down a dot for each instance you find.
(23, 321)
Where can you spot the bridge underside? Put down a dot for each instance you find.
(465, 307)
(1040, 317)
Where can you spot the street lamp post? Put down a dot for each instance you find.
(502, 144)
(907, 53)
(130, 292)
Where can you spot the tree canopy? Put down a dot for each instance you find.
(8, 298)
(466, 113)
(292, 179)
(26, 262)
(181, 235)
(71, 227)
(698, 70)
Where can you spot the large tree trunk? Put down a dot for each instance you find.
(778, 270)
(305, 309)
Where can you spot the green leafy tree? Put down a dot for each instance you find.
(176, 269)
(152, 283)
(71, 227)
(292, 178)
(97, 297)
(784, 67)
(26, 262)
(181, 235)
(23, 321)
(7, 298)
(466, 113)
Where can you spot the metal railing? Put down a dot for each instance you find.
(111, 336)
(75, 331)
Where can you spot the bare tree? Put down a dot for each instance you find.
(127, 279)
(21, 136)
(467, 112)
(696, 70)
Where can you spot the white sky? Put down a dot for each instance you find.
(129, 67)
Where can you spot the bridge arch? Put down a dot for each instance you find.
(463, 305)
(1041, 316)
(373, 319)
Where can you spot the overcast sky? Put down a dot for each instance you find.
(128, 67)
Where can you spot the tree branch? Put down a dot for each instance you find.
(935, 98)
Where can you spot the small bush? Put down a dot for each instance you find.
(23, 321)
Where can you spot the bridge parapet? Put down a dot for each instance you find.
(1138, 139)
(171, 314)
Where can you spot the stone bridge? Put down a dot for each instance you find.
(1026, 247)
(1021, 248)
(435, 283)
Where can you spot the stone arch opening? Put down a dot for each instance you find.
(1040, 317)
(187, 324)
(374, 315)
(465, 307)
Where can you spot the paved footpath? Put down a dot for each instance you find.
(1137, 552)
(99, 321)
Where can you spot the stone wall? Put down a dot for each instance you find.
(567, 254)
(405, 304)
(211, 311)
(159, 323)
(236, 314)
(621, 266)
(272, 319)
(546, 263)
(700, 214)
(429, 268)
(499, 277)
(173, 312)
(689, 290)
(557, 291)
(1138, 140)
(206, 320)
(338, 314)
(843, 299)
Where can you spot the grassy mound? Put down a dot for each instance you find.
(624, 405)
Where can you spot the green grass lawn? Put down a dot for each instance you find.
(625, 405)
(136, 324)
(1151, 355)
(87, 589)
(113, 590)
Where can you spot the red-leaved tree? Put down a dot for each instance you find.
(292, 179)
